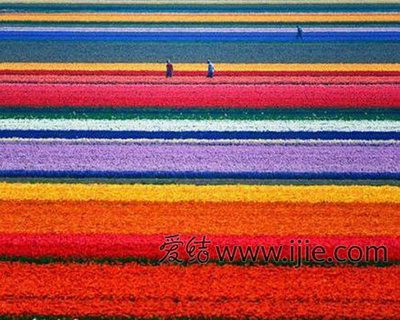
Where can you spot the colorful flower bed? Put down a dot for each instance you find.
(124, 194)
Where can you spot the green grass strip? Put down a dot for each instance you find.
(299, 182)
(200, 7)
(200, 114)
(194, 52)
(155, 262)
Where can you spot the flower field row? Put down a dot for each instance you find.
(201, 18)
(196, 30)
(168, 125)
(197, 76)
(198, 291)
(223, 218)
(191, 67)
(196, 52)
(239, 6)
(235, 78)
(187, 35)
(298, 114)
(130, 159)
(196, 131)
(208, 2)
(200, 193)
(124, 248)
(190, 96)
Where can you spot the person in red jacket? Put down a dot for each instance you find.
(170, 69)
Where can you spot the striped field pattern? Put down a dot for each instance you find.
(294, 144)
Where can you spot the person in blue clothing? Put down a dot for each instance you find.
(170, 69)
(299, 35)
(211, 69)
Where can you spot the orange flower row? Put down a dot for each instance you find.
(199, 291)
(242, 218)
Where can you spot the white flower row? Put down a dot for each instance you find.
(202, 125)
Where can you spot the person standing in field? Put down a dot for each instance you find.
(299, 35)
(170, 69)
(211, 69)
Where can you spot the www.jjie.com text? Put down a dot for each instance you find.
(295, 252)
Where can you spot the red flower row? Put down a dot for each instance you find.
(130, 73)
(189, 96)
(199, 291)
(195, 79)
(148, 246)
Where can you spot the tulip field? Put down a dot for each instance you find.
(269, 191)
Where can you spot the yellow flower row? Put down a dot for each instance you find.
(393, 67)
(220, 193)
(201, 18)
